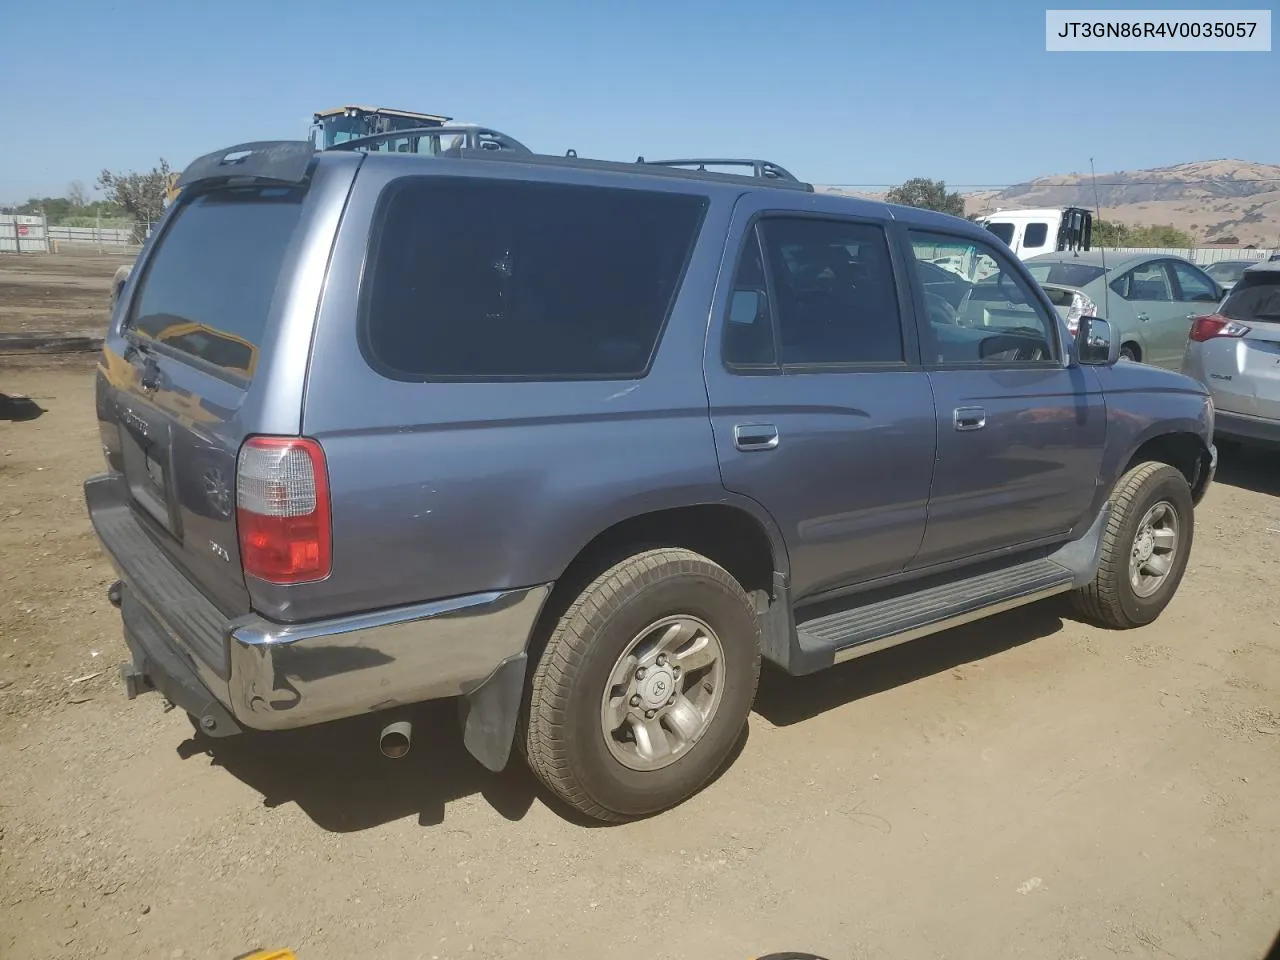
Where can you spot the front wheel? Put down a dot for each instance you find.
(644, 686)
(1145, 548)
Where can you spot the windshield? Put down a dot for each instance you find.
(1255, 297)
(343, 127)
(1070, 274)
(1002, 230)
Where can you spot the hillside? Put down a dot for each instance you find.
(1208, 198)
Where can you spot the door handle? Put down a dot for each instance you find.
(970, 418)
(755, 436)
(1143, 317)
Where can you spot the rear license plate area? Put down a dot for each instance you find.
(147, 472)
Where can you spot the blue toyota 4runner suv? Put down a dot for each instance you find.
(580, 443)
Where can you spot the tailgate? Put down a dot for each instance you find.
(178, 384)
(1244, 371)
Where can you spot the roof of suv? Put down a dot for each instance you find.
(800, 194)
(288, 161)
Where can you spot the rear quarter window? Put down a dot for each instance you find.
(207, 289)
(476, 279)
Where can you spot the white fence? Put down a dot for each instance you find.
(99, 236)
(24, 234)
(20, 234)
(1204, 256)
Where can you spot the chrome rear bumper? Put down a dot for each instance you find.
(272, 676)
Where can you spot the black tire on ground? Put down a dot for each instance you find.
(1110, 600)
(1128, 352)
(564, 736)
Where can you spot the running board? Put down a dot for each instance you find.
(847, 634)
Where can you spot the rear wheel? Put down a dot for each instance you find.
(1129, 351)
(1144, 548)
(644, 686)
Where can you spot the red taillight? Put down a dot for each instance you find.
(1216, 325)
(282, 510)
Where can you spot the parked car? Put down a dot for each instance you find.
(1149, 300)
(581, 443)
(1226, 272)
(1235, 352)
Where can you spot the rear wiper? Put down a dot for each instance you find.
(137, 345)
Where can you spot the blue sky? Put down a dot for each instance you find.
(838, 91)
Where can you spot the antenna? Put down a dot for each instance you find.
(1102, 247)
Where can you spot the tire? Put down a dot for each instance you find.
(1129, 352)
(567, 743)
(1112, 600)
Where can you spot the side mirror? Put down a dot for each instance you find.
(1096, 344)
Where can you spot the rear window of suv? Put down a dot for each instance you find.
(475, 279)
(1255, 297)
(207, 289)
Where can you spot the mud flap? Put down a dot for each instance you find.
(490, 711)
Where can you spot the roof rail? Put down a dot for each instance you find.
(473, 137)
(764, 169)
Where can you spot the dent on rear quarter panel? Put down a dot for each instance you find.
(444, 489)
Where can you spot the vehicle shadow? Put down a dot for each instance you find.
(784, 700)
(337, 777)
(1249, 468)
(19, 409)
(335, 774)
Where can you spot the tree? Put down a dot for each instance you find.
(77, 194)
(142, 195)
(930, 194)
(1107, 233)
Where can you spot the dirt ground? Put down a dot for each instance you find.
(1023, 787)
(67, 294)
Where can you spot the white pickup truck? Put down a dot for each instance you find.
(1029, 233)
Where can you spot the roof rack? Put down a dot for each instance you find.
(764, 169)
(472, 137)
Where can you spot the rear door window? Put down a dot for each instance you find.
(206, 291)
(475, 279)
(833, 291)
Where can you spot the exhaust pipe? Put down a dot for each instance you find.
(395, 739)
